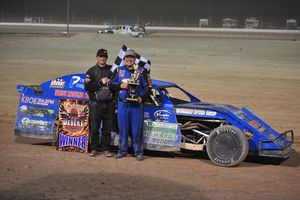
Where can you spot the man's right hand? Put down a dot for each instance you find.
(124, 85)
(87, 80)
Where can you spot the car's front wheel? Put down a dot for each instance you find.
(227, 146)
(140, 35)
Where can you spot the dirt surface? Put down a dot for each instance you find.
(263, 75)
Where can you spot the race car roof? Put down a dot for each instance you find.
(163, 84)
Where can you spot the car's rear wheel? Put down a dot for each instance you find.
(227, 146)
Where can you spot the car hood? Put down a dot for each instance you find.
(240, 117)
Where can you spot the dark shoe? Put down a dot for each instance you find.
(120, 155)
(140, 157)
(106, 153)
(93, 153)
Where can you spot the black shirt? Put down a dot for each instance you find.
(95, 74)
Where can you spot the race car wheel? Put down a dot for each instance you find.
(140, 35)
(227, 146)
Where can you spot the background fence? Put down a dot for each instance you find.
(186, 21)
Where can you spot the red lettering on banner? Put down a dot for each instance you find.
(60, 93)
(75, 94)
(71, 94)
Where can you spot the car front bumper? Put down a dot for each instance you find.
(278, 151)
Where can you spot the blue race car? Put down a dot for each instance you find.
(173, 120)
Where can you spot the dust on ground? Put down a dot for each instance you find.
(262, 75)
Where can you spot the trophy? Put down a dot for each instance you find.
(133, 83)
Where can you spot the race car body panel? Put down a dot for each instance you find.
(66, 87)
(36, 114)
(171, 122)
(260, 134)
(38, 105)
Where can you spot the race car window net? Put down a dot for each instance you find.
(176, 95)
(154, 98)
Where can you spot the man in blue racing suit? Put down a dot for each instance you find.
(130, 105)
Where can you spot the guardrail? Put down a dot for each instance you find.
(196, 29)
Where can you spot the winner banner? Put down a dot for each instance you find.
(73, 130)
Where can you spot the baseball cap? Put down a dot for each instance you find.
(102, 52)
(130, 53)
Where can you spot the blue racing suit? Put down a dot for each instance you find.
(130, 114)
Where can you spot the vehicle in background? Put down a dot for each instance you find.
(229, 23)
(203, 23)
(123, 29)
(251, 23)
(108, 30)
(291, 24)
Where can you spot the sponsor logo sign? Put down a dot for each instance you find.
(36, 116)
(161, 133)
(34, 124)
(121, 73)
(57, 83)
(77, 82)
(34, 100)
(162, 114)
(73, 125)
(71, 94)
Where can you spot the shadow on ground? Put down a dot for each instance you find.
(251, 161)
(101, 186)
(292, 161)
(104, 186)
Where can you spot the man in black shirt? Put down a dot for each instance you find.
(101, 108)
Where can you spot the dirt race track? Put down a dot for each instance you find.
(263, 75)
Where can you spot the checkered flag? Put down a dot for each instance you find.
(140, 60)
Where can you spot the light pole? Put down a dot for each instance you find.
(209, 11)
(68, 17)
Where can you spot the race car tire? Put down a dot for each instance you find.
(227, 146)
(140, 35)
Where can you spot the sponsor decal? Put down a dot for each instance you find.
(23, 109)
(32, 124)
(121, 73)
(36, 111)
(57, 83)
(36, 100)
(197, 112)
(36, 116)
(162, 114)
(73, 125)
(77, 82)
(255, 124)
(161, 133)
(71, 94)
